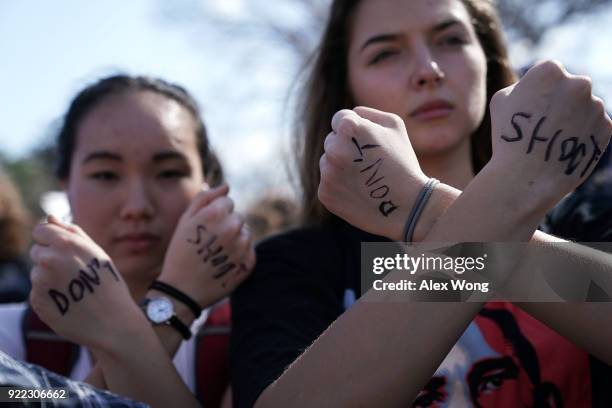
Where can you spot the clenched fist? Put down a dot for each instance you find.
(76, 289)
(370, 175)
(211, 251)
(549, 132)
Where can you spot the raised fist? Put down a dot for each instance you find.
(211, 251)
(76, 289)
(549, 132)
(370, 175)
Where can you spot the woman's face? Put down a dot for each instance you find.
(134, 170)
(421, 60)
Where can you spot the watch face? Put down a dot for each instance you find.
(159, 310)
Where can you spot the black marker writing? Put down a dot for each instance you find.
(212, 252)
(571, 150)
(515, 125)
(386, 207)
(571, 153)
(75, 292)
(594, 157)
(200, 230)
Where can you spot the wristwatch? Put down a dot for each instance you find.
(160, 310)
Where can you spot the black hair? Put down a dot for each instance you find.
(86, 100)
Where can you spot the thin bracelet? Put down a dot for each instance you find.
(178, 295)
(417, 209)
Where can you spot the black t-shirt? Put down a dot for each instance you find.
(297, 290)
(305, 279)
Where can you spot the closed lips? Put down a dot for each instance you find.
(433, 106)
(136, 237)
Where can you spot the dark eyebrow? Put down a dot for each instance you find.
(168, 155)
(445, 24)
(391, 36)
(102, 155)
(379, 38)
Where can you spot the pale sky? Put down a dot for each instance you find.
(51, 49)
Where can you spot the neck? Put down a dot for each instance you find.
(453, 167)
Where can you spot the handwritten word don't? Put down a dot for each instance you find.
(84, 283)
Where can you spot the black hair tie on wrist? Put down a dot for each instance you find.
(178, 295)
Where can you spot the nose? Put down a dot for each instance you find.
(138, 203)
(427, 74)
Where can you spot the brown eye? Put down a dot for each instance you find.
(454, 40)
(104, 176)
(381, 56)
(172, 174)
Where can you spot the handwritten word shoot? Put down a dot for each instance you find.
(207, 246)
(559, 147)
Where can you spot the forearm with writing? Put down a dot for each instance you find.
(385, 350)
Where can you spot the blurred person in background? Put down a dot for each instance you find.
(271, 214)
(14, 237)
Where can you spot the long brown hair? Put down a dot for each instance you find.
(14, 221)
(326, 91)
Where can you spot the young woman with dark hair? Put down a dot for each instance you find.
(136, 164)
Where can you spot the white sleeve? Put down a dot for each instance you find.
(11, 337)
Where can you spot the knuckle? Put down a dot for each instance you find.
(329, 143)
(496, 99)
(218, 209)
(323, 162)
(212, 213)
(234, 225)
(333, 158)
(395, 119)
(582, 84)
(243, 245)
(553, 68)
(338, 117)
(346, 127)
(598, 105)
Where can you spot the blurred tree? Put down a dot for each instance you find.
(33, 175)
(265, 44)
(297, 23)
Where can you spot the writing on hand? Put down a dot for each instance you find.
(76, 290)
(378, 190)
(570, 149)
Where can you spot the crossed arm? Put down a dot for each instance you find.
(379, 332)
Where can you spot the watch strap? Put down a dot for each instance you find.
(178, 295)
(180, 327)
